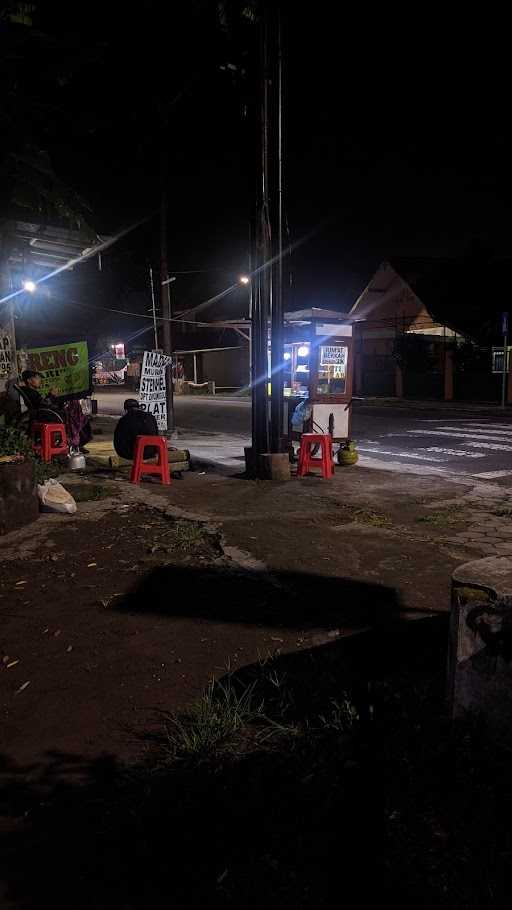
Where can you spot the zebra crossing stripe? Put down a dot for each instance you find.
(491, 426)
(454, 435)
(459, 452)
(402, 455)
(478, 432)
(492, 446)
(492, 475)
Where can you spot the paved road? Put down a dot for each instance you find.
(214, 415)
(449, 442)
(432, 441)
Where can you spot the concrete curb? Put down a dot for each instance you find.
(480, 668)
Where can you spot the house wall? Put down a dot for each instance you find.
(388, 310)
(229, 368)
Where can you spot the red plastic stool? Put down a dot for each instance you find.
(140, 467)
(49, 446)
(306, 461)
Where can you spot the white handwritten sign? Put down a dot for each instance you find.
(152, 394)
(7, 360)
(332, 354)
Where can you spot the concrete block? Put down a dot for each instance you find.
(274, 466)
(480, 650)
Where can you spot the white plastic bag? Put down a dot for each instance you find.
(55, 498)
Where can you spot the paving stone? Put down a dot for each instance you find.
(487, 549)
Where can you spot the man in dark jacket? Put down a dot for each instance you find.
(135, 422)
(26, 397)
(31, 394)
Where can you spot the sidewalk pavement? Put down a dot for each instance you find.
(223, 451)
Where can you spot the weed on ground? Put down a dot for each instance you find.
(444, 517)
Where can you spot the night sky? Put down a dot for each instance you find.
(397, 141)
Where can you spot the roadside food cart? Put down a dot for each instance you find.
(318, 372)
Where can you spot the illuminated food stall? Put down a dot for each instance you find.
(318, 370)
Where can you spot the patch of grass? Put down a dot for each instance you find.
(364, 516)
(46, 470)
(213, 723)
(228, 721)
(189, 535)
(443, 517)
(342, 717)
(91, 492)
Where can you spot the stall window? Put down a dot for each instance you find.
(332, 369)
(297, 355)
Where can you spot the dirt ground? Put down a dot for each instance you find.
(108, 618)
(116, 619)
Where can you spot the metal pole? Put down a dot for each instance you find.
(153, 306)
(260, 286)
(166, 305)
(276, 209)
(504, 374)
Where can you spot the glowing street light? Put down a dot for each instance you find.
(244, 279)
(29, 286)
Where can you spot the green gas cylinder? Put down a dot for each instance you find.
(347, 454)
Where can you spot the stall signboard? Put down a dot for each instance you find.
(332, 355)
(64, 367)
(152, 393)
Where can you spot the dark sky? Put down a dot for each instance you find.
(397, 140)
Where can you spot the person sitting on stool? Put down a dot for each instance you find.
(135, 422)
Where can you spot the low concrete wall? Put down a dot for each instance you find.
(480, 658)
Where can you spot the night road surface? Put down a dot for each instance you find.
(426, 441)
(215, 415)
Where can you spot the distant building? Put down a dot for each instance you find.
(425, 328)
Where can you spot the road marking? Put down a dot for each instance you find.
(459, 452)
(401, 455)
(479, 431)
(426, 469)
(492, 446)
(495, 426)
(492, 475)
(454, 435)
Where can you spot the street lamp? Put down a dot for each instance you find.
(244, 279)
(29, 285)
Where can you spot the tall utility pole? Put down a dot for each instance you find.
(153, 306)
(166, 301)
(267, 289)
(276, 218)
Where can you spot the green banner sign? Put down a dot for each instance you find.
(64, 367)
